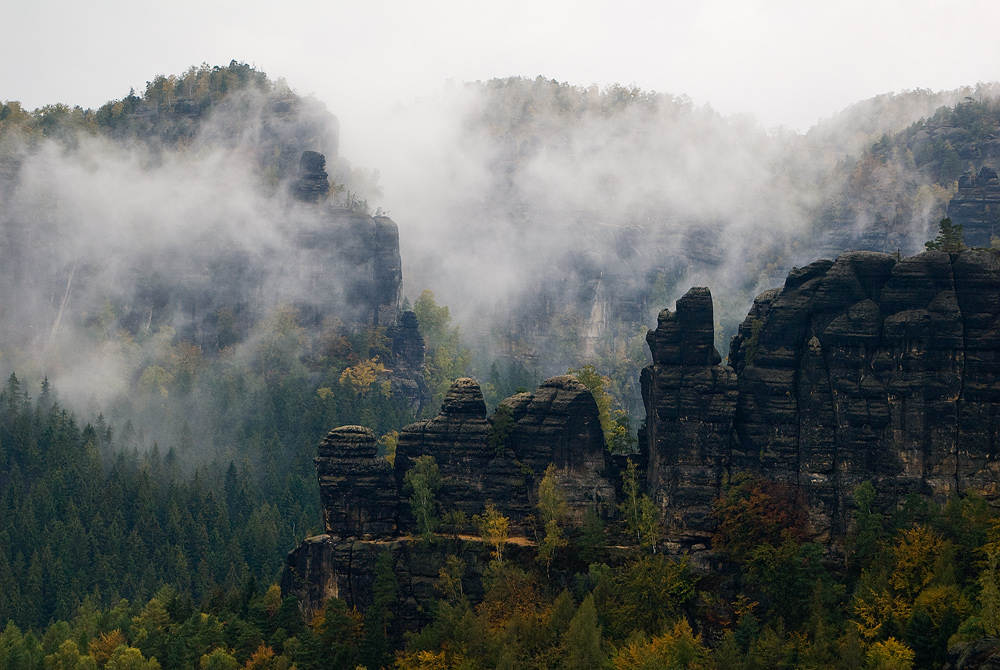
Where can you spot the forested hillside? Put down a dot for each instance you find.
(113, 559)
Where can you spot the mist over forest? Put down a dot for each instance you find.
(553, 219)
(197, 284)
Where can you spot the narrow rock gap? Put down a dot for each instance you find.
(835, 461)
(961, 377)
(351, 576)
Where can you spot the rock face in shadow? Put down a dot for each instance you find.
(357, 490)
(457, 439)
(329, 261)
(867, 368)
(407, 376)
(560, 424)
(690, 399)
(327, 566)
(366, 510)
(557, 424)
(311, 184)
(983, 654)
(976, 206)
(863, 368)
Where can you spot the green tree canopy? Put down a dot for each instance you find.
(950, 237)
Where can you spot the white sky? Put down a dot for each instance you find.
(786, 62)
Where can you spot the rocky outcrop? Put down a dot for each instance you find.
(560, 424)
(357, 490)
(407, 375)
(408, 345)
(311, 184)
(690, 399)
(866, 368)
(858, 375)
(326, 566)
(457, 439)
(366, 509)
(311, 573)
(983, 654)
(863, 368)
(331, 262)
(479, 461)
(352, 258)
(976, 206)
(487, 460)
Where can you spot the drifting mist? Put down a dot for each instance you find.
(554, 220)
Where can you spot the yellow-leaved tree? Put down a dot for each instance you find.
(493, 527)
(552, 507)
(361, 377)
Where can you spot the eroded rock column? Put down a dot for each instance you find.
(690, 400)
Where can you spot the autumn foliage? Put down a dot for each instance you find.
(754, 512)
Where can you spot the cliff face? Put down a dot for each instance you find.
(863, 368)
(356, 486)
(690, 399)
(329, 261)
(366, 510)
(976, 206)
(407, 376)
(556, 424)
(866, 368)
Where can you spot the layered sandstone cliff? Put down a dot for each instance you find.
(690, 399)
(481, 459)
(866, 368)
(976, 207)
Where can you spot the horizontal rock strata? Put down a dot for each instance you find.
(863, 368)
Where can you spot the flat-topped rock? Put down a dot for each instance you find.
(357, 490)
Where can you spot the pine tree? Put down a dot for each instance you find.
(582, 641)
(950, 238)
(376, 649)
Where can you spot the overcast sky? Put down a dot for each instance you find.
(786, 62)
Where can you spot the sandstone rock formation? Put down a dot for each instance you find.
(863, 368)
(407, 364)
(457, 439)
(557, 424)
(365, 508)
(976, 206)
(690, 399)
(983, 654)
(331, 261)
(356, 486)
(311, 184)
(866, 368)
(327, 566)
